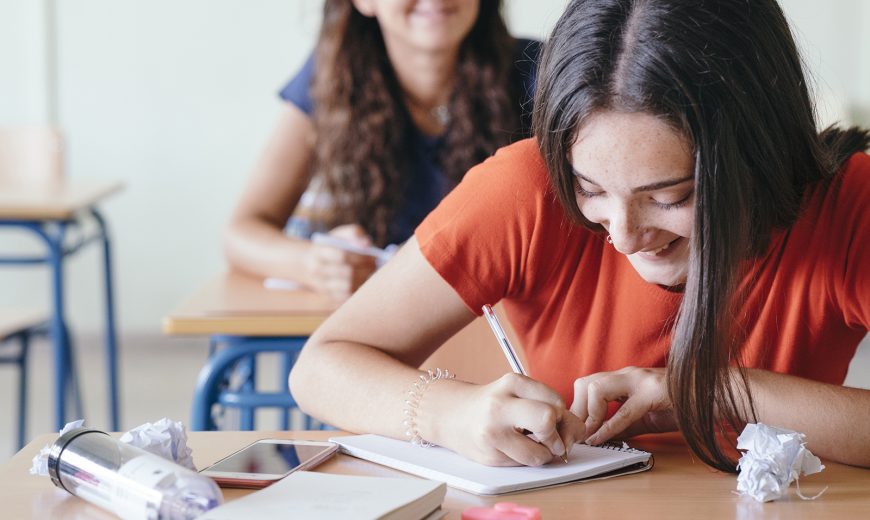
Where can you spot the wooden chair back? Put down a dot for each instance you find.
(31, 154)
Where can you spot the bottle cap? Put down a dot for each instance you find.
(57, 449)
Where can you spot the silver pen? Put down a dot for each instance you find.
(503, 341)
(508, 350)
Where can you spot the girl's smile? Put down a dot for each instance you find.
(634, 175)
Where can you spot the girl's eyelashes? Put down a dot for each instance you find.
(674, 205)
(662, 205)
(585, 193)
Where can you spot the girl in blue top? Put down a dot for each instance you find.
(398, 100)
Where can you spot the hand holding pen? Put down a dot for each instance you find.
(516, 365)
(339, 262)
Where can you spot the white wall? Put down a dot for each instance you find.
(860, 60)
(176, 97)
(834, 42)
(23, 67)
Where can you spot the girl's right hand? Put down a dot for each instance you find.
(492, 426)
(337, 272)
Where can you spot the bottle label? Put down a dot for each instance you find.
(147, 477)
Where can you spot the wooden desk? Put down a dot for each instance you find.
(60, 200)
(677, 487)
(15, 319)
(47, 209)
(239, 305)
(236, 311)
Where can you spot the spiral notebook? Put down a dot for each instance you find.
(584, 463)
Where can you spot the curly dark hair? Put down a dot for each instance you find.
(363, 147)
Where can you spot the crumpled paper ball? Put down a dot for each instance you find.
(774, 458)
(40, 460)
(165, 438)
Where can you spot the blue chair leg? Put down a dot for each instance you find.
(59, 336)
(242, 375)
(53, 236)
(73, 391)
(65, 382)
(211, 391)
(212, 346)
(210, 383)
(248, 366)
(287, 361)
(22, 389)
(111, 334)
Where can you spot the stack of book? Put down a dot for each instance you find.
(326, 496)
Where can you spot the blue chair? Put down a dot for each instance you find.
(34, 155)
(18, 326)
(237, 356)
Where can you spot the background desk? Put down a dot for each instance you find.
(236, 311)
(46, 209)
(238, 305)
(677, 487)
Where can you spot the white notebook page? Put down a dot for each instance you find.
(442, 464)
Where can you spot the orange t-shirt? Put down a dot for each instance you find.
(579, 307)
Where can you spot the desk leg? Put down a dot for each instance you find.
(59, 334)
(111, 335)
(72, 382)
(22, 389)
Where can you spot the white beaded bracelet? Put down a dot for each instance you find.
(412, 404)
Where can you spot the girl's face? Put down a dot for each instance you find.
(425, 25)
(633, 174)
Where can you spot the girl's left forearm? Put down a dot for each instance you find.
(835, 419)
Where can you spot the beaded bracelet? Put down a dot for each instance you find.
(412, 404)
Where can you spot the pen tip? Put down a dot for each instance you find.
(565, 458)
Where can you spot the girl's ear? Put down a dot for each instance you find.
(365, 7)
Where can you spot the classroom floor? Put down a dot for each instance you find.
(157, 375)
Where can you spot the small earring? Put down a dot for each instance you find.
(609, 239)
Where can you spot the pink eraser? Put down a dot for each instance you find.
(502, 511)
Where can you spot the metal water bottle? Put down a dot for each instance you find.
(126, 480)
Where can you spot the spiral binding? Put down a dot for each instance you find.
(624, 447)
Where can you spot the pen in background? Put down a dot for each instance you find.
(508, 350)
(380, 255)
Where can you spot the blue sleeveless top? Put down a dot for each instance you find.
(427, 184)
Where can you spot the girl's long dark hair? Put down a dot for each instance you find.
(363, 150)
(727, 75)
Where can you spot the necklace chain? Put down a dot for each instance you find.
(441, 114)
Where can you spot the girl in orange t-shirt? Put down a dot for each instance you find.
(678, 239)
